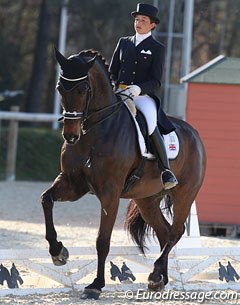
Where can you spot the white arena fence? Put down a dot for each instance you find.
(190, 269)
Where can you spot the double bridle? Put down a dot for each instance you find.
(75, 115)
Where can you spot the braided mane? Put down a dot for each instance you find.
(91, 53)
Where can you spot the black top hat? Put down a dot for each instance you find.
(147, 10)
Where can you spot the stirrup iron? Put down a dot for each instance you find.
(170, 181)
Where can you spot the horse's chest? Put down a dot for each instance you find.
(86, 161)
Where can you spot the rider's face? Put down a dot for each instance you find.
(143, 24)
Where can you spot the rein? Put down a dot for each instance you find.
(86, 130)
(74, 115)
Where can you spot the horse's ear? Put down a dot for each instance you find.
(60, 58)
(90, 63)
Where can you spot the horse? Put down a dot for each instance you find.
(99, 154)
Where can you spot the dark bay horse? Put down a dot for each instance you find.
(100, 152)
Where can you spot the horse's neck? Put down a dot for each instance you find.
(102, 99)
(102, 92)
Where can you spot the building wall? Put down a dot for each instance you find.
(214, 110)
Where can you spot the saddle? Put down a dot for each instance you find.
(137, 173)
(142, 123)
(142, 132)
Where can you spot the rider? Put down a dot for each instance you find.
(138, 63)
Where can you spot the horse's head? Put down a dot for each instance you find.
(75, 90)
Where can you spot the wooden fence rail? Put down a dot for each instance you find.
(14, 116)
(28, 117)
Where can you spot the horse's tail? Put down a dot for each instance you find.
(136, 226)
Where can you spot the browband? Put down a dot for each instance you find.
(73, 79)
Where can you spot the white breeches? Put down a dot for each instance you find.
(148, 107)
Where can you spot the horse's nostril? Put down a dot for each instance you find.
(71, 139)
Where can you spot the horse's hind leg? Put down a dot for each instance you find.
(61, 190)
(152, 215)
(181, 208)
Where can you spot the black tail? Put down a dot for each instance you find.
(136, 226)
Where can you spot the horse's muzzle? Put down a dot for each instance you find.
(71, 131)
(71, 139)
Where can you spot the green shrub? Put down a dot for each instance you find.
(38, 153)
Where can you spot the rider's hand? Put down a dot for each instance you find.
(134, 90)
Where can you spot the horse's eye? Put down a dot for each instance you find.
(82, 88)
(85, 87)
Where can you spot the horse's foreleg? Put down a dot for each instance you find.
(61, 190)
(108, 217)
(58, 252)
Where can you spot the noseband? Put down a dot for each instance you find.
(71, 115)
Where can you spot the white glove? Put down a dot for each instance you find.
(134, 90)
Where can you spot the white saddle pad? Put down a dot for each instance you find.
(171, 142)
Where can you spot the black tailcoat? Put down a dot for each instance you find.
(143, 66)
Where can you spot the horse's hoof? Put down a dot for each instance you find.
(156, 286)
(61, 258)
(90, 294)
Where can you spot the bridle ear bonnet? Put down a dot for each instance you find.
(74, 72)
(73, 69)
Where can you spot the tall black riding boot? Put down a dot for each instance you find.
(168, 178)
